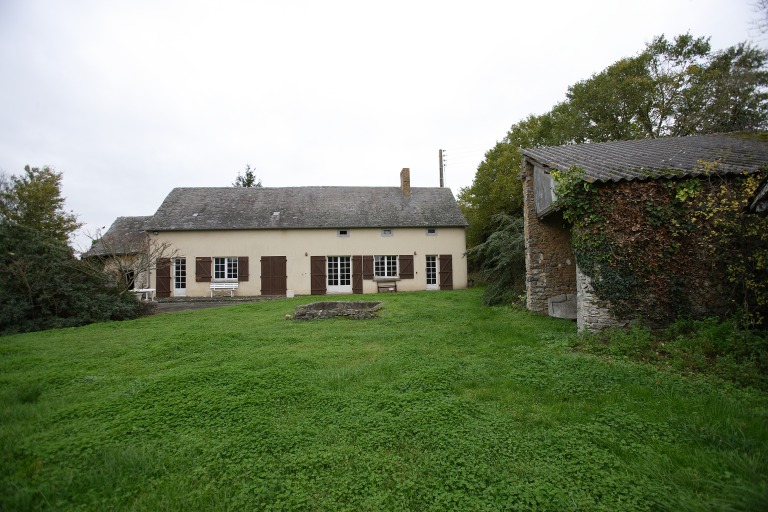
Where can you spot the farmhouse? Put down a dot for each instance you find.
(640, 184)
(308, 240)
(123, 247)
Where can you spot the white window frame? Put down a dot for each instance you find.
(342, 233)
(338, 274)
(179, 276)
(431, 231)
(385, 267)
(431, 271)
(225, 268)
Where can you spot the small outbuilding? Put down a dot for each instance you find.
(122, 249)
(642, 185)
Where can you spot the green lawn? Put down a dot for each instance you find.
(439, 404)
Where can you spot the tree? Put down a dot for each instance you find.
(503, 260)
(247, 180)
(42, 284)
(34, 200)
(736, 79)
(496, 188)
(671, 88)
(761, 23)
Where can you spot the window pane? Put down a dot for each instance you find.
(431, 269)
(225, 268)
(385, 266)
(232, 268)
(219, 268)
(180, 273)
(345, 276)
(333, 270)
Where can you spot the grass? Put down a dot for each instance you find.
(440, 404)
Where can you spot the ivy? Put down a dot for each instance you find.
(663, 249)
(575, 195)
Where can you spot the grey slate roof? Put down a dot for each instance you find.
(126, 235)
(187, 209)
(655, 158)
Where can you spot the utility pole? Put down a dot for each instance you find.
(442, 170)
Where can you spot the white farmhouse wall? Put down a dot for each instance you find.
(298, 245)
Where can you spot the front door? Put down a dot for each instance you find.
(274, 278)
(339, 274)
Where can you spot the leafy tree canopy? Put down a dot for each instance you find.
(34, 200)
(247, 180)
(42, 284)
(671, 88)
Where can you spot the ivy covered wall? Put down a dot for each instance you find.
(662, 249)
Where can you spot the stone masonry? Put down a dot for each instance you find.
(591, 314)
(549, 260)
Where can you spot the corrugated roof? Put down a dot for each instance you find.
(187, 209)
(655, 158)
(126, 235)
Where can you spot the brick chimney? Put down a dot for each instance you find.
(405, 182)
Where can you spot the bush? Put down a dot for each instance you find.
(502, 261)
(722, 349)
(43, 286)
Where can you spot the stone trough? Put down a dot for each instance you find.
(322, 310)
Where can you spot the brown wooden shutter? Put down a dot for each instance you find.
(446, 272)
(357, 274)
(273, 275)
(406, 266)
(203, 269)
(317, 275)
(367, 267)
(163, 277)
(242, 268)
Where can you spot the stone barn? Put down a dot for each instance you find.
(632, 176)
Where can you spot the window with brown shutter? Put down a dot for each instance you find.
(357, 274)
(203, 269)
(406, 266)
(317, 275)
(446, 272)
(242, 268)
(367, 267)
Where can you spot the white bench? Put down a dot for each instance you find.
(145, 294)
(224, 286)
(387, 286)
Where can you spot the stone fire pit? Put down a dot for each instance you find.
(321, 310)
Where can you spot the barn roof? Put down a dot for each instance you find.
(232, 208)
(665, 157)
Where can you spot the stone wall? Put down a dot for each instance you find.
(549, 260)
(591, 314)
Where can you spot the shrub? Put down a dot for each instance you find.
(43, 286)
(722, 349)
(502, 261)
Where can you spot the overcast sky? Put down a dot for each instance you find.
(129, 99)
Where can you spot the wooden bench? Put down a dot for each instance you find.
(224, 286)
(386, 286)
